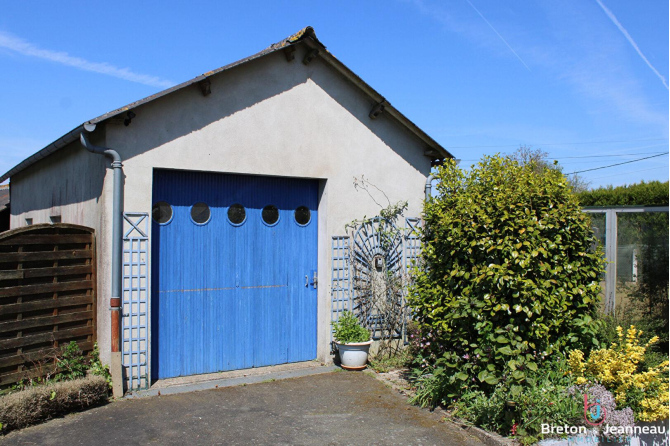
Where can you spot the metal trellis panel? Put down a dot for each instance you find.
(355, 269)
(377, 254)
(135, 318)
(412, 251)
(412, 248)
(340, 278)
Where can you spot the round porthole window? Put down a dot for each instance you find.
(237, 214)
(270, 215)
(161, 212)
(200, 213)
(302, 215)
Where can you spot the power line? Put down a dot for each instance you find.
(634, 171)
(618, 164)
(561, 143)
(588, 156)
(608, 156)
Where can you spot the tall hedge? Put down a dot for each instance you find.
(510, 273)
(653, 193)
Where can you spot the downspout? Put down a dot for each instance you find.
(429, 186)
(117, 247)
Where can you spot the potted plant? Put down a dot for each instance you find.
(352, 340)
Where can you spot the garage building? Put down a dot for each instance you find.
(234, 184)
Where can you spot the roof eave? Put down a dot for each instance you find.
(306, 36)
(61, 142)
(378, 98)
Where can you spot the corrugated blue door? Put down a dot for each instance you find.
(232, 284)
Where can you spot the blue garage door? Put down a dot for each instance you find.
(233, 265)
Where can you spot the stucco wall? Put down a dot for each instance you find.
(266, 117)
(75, 185)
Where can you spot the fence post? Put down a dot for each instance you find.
(610, 254)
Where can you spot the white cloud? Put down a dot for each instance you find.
(498, 34)
(461, 24)
(614, 20)
(26, 48)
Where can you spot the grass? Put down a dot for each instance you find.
(40, 403)
(385, 363)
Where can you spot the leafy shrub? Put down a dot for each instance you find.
(510, 275)
(653, 193)
(521, 410)
(627, 315)
(71, 362)
(621, 370)
(96, 367)
(67, 363)
(348, 329)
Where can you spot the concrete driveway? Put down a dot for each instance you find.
(335, 408)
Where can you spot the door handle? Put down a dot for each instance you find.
(306, 281)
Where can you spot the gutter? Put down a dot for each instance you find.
(117, 255)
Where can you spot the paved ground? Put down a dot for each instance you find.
(336, 408)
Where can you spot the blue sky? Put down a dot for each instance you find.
(584, 80)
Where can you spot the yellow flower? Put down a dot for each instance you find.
(617, 368)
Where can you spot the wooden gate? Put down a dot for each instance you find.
(47, 296)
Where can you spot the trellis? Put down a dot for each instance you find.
(374, 246)
(135, 320)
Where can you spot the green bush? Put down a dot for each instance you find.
(71, 362)
(68, 363)
(653, 193)
(510, 274)
(521, 410)
(348, 329)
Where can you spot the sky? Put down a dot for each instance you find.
(584, 80)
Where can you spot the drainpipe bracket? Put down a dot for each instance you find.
(377, 110)
(205, 86)
(289, 52)
(310, 56)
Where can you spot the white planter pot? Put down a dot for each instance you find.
(354, 356)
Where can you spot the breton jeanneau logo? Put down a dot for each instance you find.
(594, 413)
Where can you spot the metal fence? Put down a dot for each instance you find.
(635, 241)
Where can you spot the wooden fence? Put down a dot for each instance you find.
(47, 297)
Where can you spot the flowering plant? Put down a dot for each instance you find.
(620, 370)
